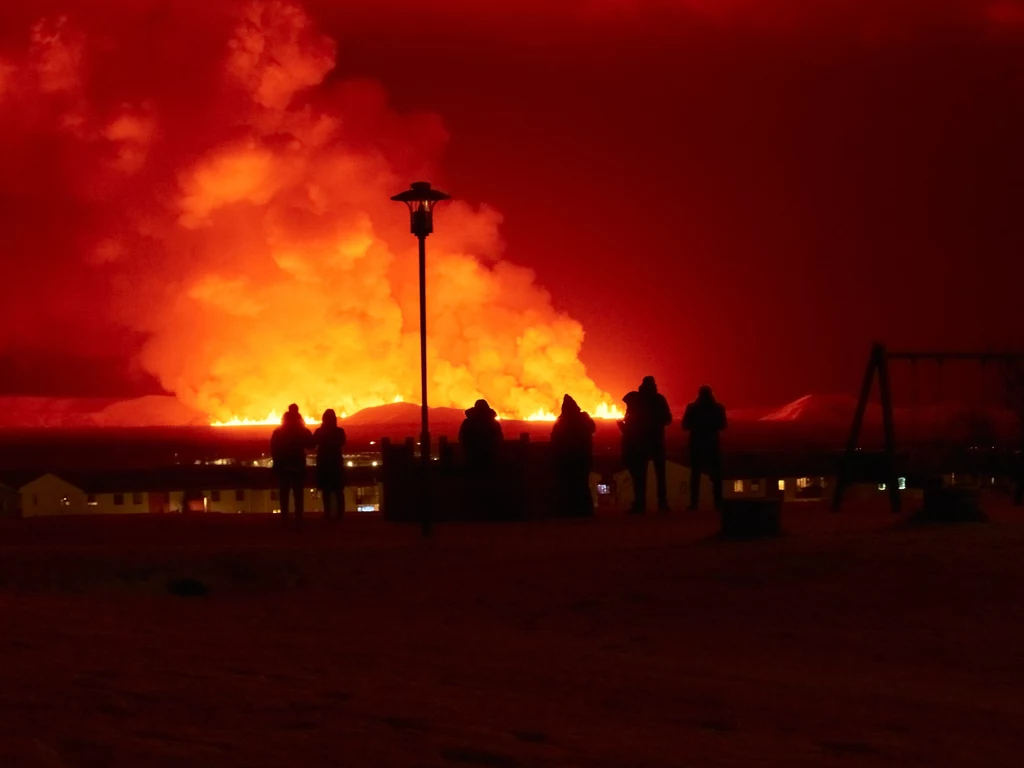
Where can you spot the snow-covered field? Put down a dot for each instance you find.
(854, 640)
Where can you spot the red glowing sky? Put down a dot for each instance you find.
(742, 193)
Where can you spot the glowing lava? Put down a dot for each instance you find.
(541, 415)
(272, 419)
(602, 411)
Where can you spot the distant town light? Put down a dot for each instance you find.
(782, 485)
(366, 508)
(373, 463)
(603, 489)
(903, 484)
(350, 463)
(881, 486)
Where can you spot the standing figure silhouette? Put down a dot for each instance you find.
(480, 437)
(704, 419)
(288, 447)
(330, 464)
(643, 441)
(572, 443)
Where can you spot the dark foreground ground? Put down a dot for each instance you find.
(852, 641)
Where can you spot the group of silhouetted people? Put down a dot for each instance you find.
(643, 442)
(288, 447)
(572, 444)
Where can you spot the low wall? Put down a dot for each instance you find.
(523, 485)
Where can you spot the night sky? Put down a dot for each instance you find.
(745, 196)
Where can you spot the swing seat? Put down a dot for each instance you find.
(951, 505)
(748, 519)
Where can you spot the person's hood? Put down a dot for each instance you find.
(631, 397)
(648, 386)
(329, 419)
(570, 407)
(480, 410)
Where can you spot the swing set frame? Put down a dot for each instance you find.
(878, 365)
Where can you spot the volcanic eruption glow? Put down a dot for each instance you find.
(227, 202)
(273, 419)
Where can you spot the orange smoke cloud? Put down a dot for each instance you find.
(235, 207)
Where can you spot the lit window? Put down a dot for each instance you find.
(118, 499)
(603, 489)
(803, 482)
(903, 484)
(782, 485)
(369, 497)
(351, 463)
(737, 486)
(881, 486)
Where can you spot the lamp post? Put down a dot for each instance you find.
(421, 199)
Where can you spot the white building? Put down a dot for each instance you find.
(214, 489)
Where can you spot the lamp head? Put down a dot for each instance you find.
(421, 199)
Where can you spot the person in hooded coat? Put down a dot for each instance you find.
(481, 437)
(643, 441)
(704, 419)
(288, 447)
(330, 464)
(572, 443)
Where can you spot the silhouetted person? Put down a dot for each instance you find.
(572, 443)
(643, 441)
(704, 419)
(330, 464)
(481, 437)
(288, 447)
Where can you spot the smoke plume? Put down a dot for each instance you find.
(199, 176)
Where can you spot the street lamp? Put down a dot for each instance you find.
(421, 199)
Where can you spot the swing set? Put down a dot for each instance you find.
(878, 365)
